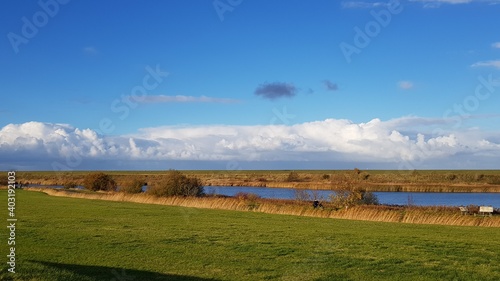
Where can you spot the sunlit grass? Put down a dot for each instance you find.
(415, 214)
(77, 239)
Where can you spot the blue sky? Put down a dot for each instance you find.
(155, 84)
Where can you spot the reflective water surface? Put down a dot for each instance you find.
(392, 198)
(396, 198)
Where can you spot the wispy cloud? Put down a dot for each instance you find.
(330, 86)
(496, 45)
(438, 3)
(90, 50)
(405, 85)
(490, 63)
(426, 3)
(445, 1)
(362, 4)
(181, 98)
(276, 90)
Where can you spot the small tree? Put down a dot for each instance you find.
(451, 177)
(344, 198)
(293, 176)
(132, 186)
(99, 181)
(369, 198)
(177, 184)
(350, 197)
(478, 177)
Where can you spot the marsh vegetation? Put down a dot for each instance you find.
(370, 180)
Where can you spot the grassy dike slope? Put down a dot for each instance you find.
(62, 238)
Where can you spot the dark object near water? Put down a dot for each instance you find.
(317, 204)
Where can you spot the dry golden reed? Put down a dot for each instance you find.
(369, 180)
(380, 213)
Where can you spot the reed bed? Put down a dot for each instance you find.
(370, 180)
(379, 213)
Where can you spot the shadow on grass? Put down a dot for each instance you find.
(89, 272)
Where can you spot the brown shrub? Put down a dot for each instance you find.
(493, 179)
(293, 177)
(99, 181)
(132, 186)
(176, 184)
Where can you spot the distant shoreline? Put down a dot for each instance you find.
(477, 181)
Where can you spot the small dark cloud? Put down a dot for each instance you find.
(330, 86)
(275, 90)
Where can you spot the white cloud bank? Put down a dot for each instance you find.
(407, 142)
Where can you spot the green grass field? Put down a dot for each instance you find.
(78, 239)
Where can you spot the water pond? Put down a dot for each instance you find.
(394, 198)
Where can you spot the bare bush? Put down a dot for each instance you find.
(302, 195)
(177, 184)
(493, 179)
(99, 181)
(351, 197)
(293, 177)
(132, 186)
